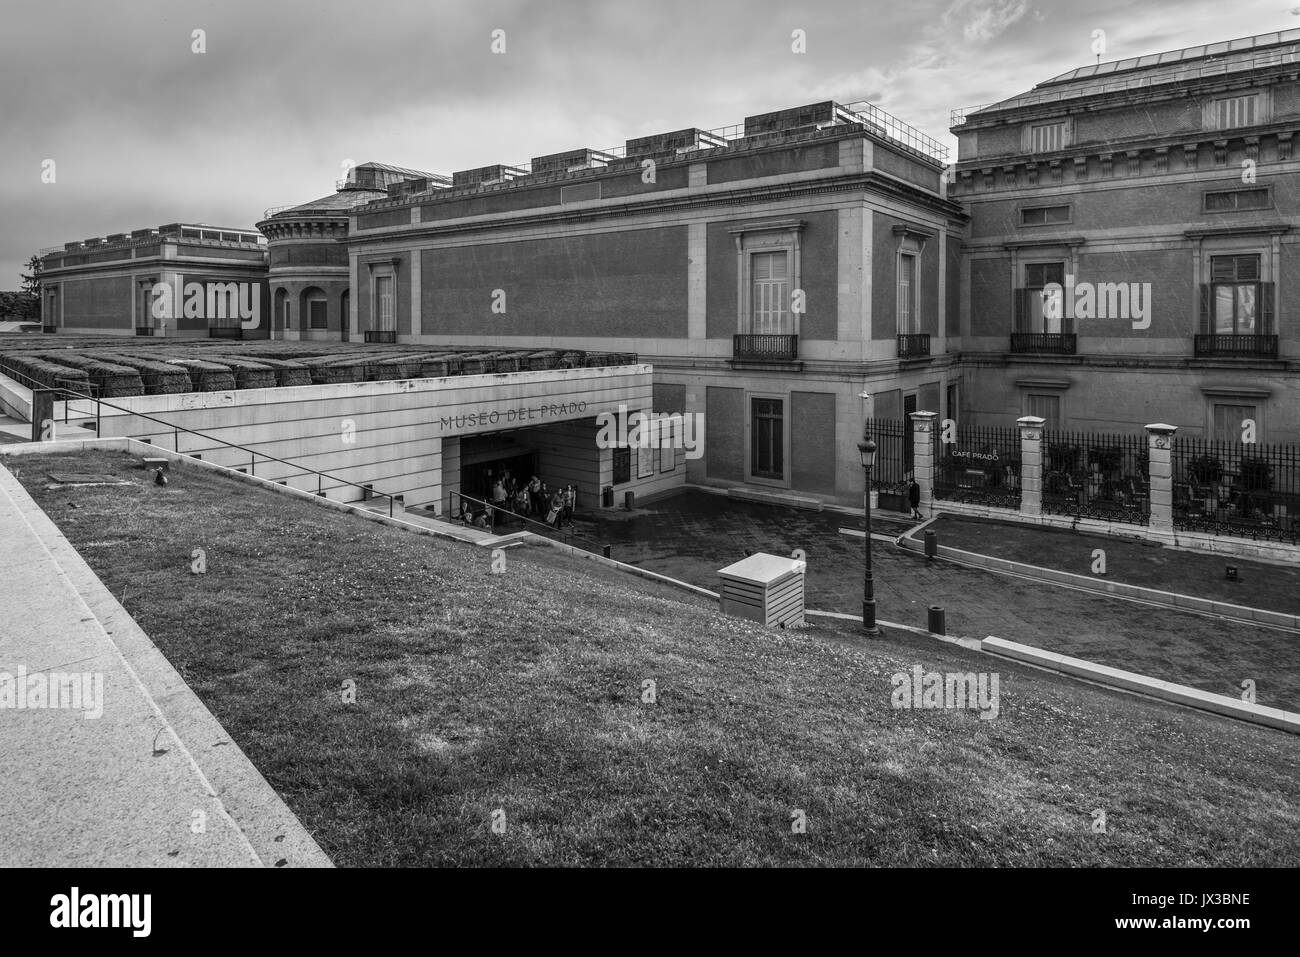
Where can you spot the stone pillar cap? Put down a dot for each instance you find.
(925, 415)
(1033, 421)
(1160, 428)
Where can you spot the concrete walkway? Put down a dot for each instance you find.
(151, 781)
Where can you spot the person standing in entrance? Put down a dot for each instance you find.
(914, 497)
(567, 499)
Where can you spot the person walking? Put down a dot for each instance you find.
(566, 505)
(914, 497)
(535, 496)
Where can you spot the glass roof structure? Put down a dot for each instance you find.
(1155, 69)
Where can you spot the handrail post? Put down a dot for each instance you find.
(99, 432)
(176, 440)
(390, 506)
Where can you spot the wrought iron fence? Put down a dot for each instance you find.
(981, 466)
(1096, 475)
(893, 438)
(1243, 489)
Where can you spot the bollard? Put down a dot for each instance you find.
(937, 623)
(931, 544)
(629, 500)
(1231, 573)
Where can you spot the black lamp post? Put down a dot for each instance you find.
(867, 450)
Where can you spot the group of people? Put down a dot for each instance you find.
(534, 499)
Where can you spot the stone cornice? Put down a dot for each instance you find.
(879, 183)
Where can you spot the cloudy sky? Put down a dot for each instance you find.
(144, 131)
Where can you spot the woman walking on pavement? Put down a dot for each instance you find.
(914, 497)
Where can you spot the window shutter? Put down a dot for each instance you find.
(1206, 293)
(1266, 308)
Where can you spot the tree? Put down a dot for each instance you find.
(31, 307)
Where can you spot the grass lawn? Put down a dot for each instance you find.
(522, 692)
(1260, 584)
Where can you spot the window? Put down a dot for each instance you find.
(1046, 407)
(315, 303)
(622, 466)
(1234, 294)
(645, 456)
(1230, 421)
(909, 321)
(1234, 199)
(1235, 111)
(1035, 317)
(768, 439)
(384, 301)
(1044, 215)
(667, 459)
(770, 293)
(1046, 137)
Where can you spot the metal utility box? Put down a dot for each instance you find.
(764, 588)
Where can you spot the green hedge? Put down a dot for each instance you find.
(112, 380)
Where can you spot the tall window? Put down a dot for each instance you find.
(1046, 137)
(768, 439)
(1229, 421)
(1046, 407)
(1235, 111)
(770, 302)
(908, 319)
(1036, 313)
(1234, 294)
(384, 301)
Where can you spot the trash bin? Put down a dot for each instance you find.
(931, 543)
(629, 500)
(607, 496)
(937, 623)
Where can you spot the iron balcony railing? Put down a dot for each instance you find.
(746, 346)
(1251, 347)
(1055, 343)
(381, 335)
(144, 330)
(225, 332)
(913, 345)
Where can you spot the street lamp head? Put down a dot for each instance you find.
(867, 449)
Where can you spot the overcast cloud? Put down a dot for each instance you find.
(144, 131)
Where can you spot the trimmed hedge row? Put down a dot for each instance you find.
(113, 381)
(207, 376)
(48, 374)
(286, 371)
(159, 378)
(248, 374)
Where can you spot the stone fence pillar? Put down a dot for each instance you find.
(923, 458)
(1031, 465)
(1160, 443)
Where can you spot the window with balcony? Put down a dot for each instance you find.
(912, 342)
(768, 274)
(1236, 309)
(1042, 323)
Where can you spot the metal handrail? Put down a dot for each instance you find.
(565, 538)
(177, 429)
